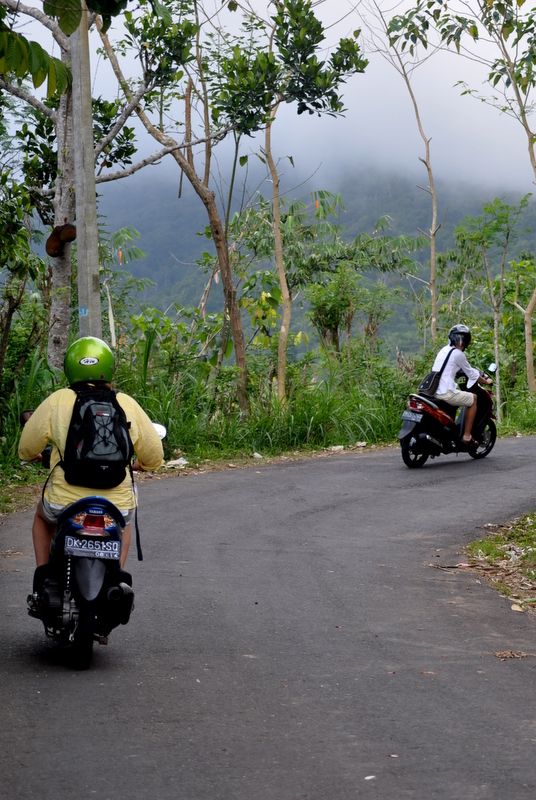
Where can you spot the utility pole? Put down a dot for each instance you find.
(87, 237)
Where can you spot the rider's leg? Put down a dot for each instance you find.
(470, 414)
(125, 545)
(42, 533)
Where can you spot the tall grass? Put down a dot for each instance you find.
(519, 412)
(316, 415)
(343, 406)
(29, 390)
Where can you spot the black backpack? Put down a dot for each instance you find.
(98, 448)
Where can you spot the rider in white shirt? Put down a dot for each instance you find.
(459, 340)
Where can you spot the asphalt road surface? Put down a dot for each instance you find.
(290, 640)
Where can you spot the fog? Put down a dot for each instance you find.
(470, 141)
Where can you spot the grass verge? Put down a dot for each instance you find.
(506, 558)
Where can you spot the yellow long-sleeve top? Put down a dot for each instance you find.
(50, 422)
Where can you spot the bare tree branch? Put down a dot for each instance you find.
(114, 176)
(125, 173)
(125, 114)
(28, 98)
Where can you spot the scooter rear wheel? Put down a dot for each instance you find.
(488, 441)
(82, 645)
(410, 457)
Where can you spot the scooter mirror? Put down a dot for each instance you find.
(160, 429)
(492, 367)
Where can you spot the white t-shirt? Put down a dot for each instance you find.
(457, 361)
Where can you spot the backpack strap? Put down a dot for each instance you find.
(138, 540)
(47, 480)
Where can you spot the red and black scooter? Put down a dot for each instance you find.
(430, 428)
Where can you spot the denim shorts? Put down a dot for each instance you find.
(53, 510)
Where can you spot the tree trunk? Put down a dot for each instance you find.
(496, 321)
(89, 296)
(529, 352)
(218, 232)
(280, 262)
(529, 356)
(64, 211)
(229, 289)
(434, 228)
(13, 298)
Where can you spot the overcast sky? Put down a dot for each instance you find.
(470, 142)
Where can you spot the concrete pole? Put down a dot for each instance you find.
(87, 238)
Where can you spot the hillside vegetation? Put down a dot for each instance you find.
(271, 316)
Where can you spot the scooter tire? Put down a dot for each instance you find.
(410, 458)
(486, 446)
(82, 644)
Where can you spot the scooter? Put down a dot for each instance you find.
(430, 427)
(82, 593)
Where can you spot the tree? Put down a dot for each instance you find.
(56, 177)
(511, 29)
(343, 294)
(288, 71)
(483, 245)
(169, 54)
(18, 264)
(234, 82)
(386, 41)
(522, 288)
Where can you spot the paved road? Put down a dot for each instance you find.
(289, 640)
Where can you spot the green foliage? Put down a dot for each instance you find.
(122, 148)
(15, 253)
(505, 23)
(261, 297)
(164, 45)
(28, 389)
(36, 139)
(69, 12)
(20, 58)
(255, 78)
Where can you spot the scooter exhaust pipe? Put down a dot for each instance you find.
(119, 592)
(115, 594)
(430, 439)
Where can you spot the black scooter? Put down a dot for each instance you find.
(430, 428)
(82, 593)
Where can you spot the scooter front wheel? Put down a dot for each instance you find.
(488, 438)
(410, 457)
(82, 644)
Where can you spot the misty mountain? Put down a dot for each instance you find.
(172, 226)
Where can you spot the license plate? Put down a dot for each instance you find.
(92, 548)
(411, 416)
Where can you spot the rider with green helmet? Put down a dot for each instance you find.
(89, 359)
(89, 364)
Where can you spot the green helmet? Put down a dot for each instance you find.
(89, 359)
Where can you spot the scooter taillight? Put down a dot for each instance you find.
(94, 524)
(416, 405)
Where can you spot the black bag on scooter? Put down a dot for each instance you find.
(429, 386)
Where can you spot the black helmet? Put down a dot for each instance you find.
(460, 335)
